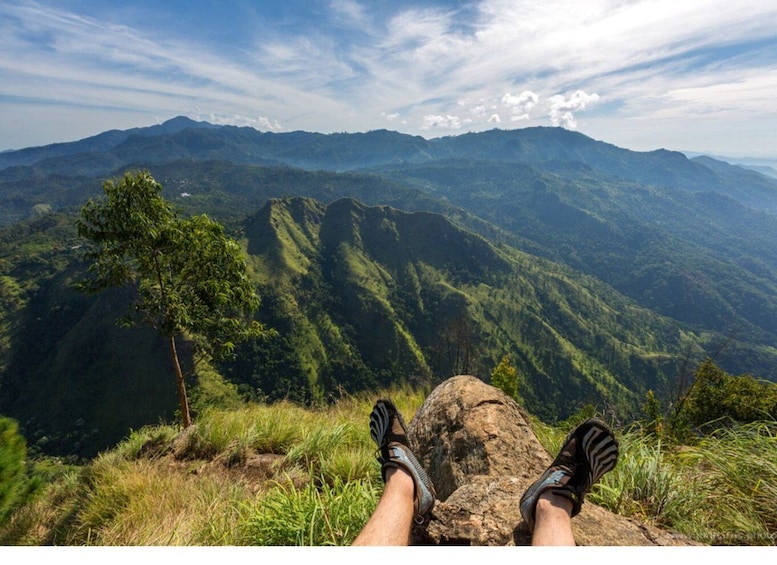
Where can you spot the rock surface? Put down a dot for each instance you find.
(481, 453)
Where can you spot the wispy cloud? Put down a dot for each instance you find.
(427, 67)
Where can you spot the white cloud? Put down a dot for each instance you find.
(524, 101)
(520, 105)
(443, 122)
(269, 124)
(261, 122)
(350, 12)
(561, 110)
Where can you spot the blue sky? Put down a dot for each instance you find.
(691, 75)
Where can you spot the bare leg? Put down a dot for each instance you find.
(553, 520)
(390, 523)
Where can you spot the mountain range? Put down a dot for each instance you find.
(382, 258)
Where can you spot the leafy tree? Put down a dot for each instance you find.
(192, 279)
(14, 481)
(505, 377)
(717, 399)
(654, 418)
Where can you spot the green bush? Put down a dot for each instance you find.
(15, 483)
(505, 378)
(717, 399)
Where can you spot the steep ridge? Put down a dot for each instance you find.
(377, 296)
(284, 238)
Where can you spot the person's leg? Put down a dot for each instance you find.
(553, 520)
(550, 503)
(408, 493)
(390, 523)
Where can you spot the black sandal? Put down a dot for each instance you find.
(387, 429)
(589, 452)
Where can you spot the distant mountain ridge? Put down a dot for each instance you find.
(620, 215)
(182, 138)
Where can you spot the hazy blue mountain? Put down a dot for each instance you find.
(549, 148)
(100, 143)
(666, 248)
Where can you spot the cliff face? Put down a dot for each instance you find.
(479, 450)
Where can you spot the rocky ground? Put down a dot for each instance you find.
(481, 453)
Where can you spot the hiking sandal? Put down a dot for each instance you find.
(589, 451)
(387, 429)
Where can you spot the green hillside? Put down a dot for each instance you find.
(384, 258)
(408, 297)
(361, 297)
(74, 379)
(700, 258)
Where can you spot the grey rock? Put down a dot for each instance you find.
(480, 451)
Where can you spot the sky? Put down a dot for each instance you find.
(686, 75)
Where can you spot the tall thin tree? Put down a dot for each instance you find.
(192, 279)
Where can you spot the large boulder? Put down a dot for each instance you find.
(481, 453)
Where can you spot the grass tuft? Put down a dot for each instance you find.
(312, 515)
(284, 475)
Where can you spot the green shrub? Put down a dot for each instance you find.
(15, 481)
(505, 378)
(717, 399)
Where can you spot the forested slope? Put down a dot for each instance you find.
(382, 257)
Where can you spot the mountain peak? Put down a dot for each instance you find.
(174, 125)
(180, 120)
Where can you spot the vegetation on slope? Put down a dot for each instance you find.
(281, 474)
(360, 298)
(368, 296)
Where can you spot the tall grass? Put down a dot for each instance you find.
(734, 472)
(284, 475)
(140, 503)
(318, 484)
(720, 491)
(645, 483)
(312, 515)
